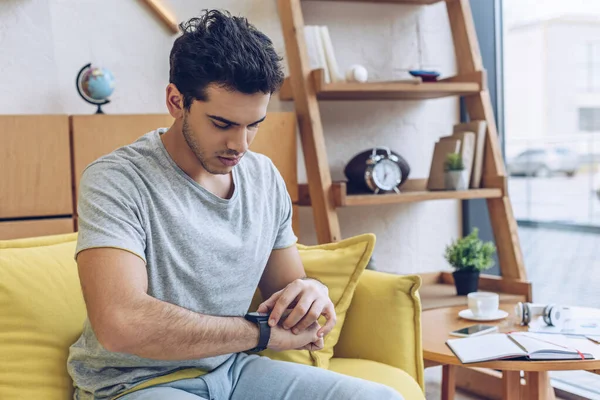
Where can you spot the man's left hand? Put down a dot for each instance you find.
(309, 299)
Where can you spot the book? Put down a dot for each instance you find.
(583, 326)
(516, 345)
(467, 149)
(316, 51)
(480, 128)
(334, 71)
(436, 179)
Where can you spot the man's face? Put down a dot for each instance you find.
(220, 130)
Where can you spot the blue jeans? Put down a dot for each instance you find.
(251, 377)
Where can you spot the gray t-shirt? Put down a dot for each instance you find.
(202, 252)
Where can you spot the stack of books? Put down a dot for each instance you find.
(520, 345)
(321, 54)
(467, 139)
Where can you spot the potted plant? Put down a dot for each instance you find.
(469, 256)
(454, 175)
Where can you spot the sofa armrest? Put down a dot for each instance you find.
(383, 323)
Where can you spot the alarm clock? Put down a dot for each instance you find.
(377, 170)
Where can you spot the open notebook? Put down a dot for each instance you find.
(524, 345)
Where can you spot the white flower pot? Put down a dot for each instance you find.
(456, 180)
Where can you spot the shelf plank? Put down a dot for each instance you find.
(413, 2)
(438, 290)
(414, 190)
(392, 90)
(417, 196)
(163, 14)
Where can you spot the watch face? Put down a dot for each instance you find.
(256, 316)
(387, 175)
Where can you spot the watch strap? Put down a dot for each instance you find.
(264, 336)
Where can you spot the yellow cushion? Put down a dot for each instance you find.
(42, 314)
(381, 373)
(392, 305)
(339, 266)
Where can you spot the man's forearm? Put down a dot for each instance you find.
(159, 330)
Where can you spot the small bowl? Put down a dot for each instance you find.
(427, 76)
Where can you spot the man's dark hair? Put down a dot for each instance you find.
(224, 50)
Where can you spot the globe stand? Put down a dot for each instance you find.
(99, 109)
(98, 103)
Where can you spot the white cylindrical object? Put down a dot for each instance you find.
(357, 73)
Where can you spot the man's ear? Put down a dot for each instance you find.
(174, 101)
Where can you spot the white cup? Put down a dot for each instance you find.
(483, 304)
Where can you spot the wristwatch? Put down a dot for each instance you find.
(262, 320)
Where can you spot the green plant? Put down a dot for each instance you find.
(454, 162)
(470, 253)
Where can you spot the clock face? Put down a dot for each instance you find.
(387, 175)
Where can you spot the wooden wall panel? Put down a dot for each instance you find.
(276, 138)
(42, 159)
(96, 135)
(34, 228)
(35, 166)
(296, 220)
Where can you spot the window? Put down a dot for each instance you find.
(587, 56)
(594, 66)
(588, 59)
(552, 102)
(589, 119)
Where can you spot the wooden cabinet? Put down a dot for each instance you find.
(35, 166)
(32, 228)
(43, 157)
(97, 135)
(276, 138)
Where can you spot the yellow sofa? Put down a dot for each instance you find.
(42, 311)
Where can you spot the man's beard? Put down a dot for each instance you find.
(189, 137)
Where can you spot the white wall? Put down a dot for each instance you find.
(43, 44)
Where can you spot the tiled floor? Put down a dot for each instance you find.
(564, 268)
(433, 386)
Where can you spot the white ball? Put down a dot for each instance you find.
(357, 73)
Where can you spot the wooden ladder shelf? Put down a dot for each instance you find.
(306, 88)
(382, 90)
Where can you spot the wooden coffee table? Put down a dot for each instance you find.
(437, 324)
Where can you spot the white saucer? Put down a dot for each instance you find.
(467, 314)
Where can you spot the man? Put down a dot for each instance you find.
(176, 232)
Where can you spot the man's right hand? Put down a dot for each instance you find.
(283, 339)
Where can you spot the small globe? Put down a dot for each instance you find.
(98, 83)
(95, 85)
